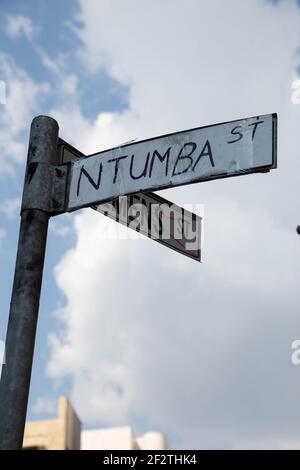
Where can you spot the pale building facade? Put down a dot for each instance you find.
(121, 438)
(64, 433)
(61, 433)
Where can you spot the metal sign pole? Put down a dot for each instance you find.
(20, 338)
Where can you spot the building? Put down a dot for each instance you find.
(61, 433)
(121, 438)
(64, 433)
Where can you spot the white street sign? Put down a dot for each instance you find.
(216, 151)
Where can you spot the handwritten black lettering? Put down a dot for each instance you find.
(116, 166)
(205, 152)
(89, 178)
(255, 124)
(184, 157)
(144, 172)
(161, 158)
(234, 131)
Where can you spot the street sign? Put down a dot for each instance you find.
(149, 214)
(158, 219)
(56, 183)
(206, 153)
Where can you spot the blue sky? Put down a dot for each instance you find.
(125, 359)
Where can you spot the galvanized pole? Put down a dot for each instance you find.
(20, 338)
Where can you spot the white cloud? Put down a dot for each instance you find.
(18, 25)
(62, 226)
(25, 97)
(3, 234)
(23, 100)
(57, 66)
(10, 207)
(201, 352)
(60, 230)
(44, 405)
